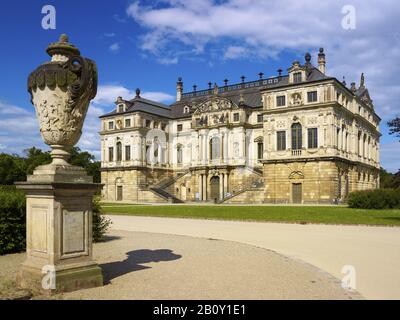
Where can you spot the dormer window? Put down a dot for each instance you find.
(120, 108)
(297, 77)
(186, 109)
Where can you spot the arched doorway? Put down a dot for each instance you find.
(214, 188)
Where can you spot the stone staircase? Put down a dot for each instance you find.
(165, 195)
(256, 184)
(165, 183)
(159, 188)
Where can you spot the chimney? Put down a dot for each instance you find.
(321, 60)
(179, 89)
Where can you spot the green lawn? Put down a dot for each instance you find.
(300, 214)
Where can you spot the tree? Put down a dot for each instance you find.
(12, 168)
(86, 160)
(34, 158)
(389, 180)
(394, 126)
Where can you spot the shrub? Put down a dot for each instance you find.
(12, 220)
(100, 223)
(375, 199)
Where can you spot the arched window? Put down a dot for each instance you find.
(214, 148)
(296, 136)
(119, 151)
(179, 154)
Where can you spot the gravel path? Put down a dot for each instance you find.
(372, 252)
(139, 265)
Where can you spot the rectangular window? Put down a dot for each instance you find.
(127, 153)
(156, 125)
(148, 123)
(297, 136)
(312, 138)
(260, 150)
(111, 125)
(281, 140)
(121, 108)
(280, 101)
(297, 77)
(163, 126)
(236, 117)
(198, 123)
(260, 118)
(127, 123)
(312, 96)
(110, 154)
(179, 127)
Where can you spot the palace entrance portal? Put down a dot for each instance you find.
(214, 188)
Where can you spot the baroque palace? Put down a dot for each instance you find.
(300, 137)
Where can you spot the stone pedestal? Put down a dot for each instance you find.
(59, 231)
(59, 196)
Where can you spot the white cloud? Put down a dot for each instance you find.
(19, 128)
(235, 52)
(108, 94)
(167, 61)
(8, 109)
(254, 28)
(158, 96)
(115, 47)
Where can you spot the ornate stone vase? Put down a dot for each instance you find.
(61, 90)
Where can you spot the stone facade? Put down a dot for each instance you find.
(303, 137)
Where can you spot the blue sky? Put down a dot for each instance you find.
(149, 44)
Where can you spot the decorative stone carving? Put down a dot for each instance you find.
(61, 91)
(296, 175)
(58, 195)
(214, 105)
(312, 120)
(281, 124)
(296, 99)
